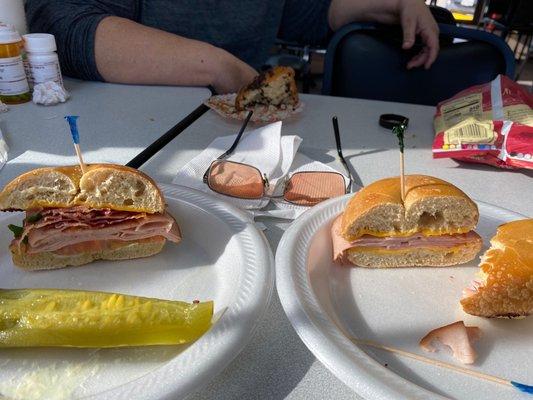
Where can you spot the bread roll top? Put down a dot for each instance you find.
(102, 186)
(432, 207)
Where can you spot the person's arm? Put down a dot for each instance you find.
(128, 52)
(413, 15)
(99, 40)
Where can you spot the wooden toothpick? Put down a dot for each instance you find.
(402, 177)
(72, 121)
(520, 386)
(80, 158)
(496, 379)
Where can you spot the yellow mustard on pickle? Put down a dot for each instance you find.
(74, 318)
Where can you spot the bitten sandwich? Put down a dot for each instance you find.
(274, 87)
(433, 227)
(111, 212)
(504, 287)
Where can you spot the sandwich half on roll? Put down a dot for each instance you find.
(111, 212)
(432, 227)
(504, 287)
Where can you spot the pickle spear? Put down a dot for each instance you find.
(75, 318)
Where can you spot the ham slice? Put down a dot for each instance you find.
(341, 245)
(458, 337)
(63, 227)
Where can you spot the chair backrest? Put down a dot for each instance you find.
(366, 61)
(442, 15)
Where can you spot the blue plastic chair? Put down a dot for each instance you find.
(366, 61)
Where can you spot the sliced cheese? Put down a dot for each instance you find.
(425, 232)
(378, 250)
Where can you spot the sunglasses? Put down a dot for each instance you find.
(305, 188)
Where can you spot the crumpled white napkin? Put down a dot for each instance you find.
(3, 151)
(268, 151)
(263, 148)
(49, 93)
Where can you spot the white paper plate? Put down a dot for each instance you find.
(222, 257)
(396, 307)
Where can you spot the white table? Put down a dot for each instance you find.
(116, 122)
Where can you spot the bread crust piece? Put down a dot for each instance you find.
(416, 257)
(506, 289)
(432, 206)
(51, 260)
(273, 87)
(102, 186)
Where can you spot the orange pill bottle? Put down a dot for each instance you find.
(14, 87)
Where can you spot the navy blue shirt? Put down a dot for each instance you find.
(245, 28)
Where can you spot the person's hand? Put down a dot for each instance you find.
(416, 19)
(413, 15)
(232, 74)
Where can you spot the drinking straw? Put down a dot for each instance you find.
(167, 137)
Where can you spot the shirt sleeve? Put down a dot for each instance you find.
(305, 22)
(73, 23)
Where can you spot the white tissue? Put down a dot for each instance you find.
(49, 93)
(3, 107)
(265, 149)
(3, 151)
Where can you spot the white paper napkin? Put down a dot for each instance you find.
(49, 93)
(3, 151)
(263, 148)
(268, 151)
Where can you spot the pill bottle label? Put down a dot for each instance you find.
(45, 71)
(12, 76)
(27, 70)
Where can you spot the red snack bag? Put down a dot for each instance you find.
(490, 123)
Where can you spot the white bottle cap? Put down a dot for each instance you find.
(39, 43)
(8, 34)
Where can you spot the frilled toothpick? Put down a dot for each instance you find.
(72, 121)
(399, 131)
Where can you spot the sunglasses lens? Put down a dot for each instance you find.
(236, 180)
(310, 188)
